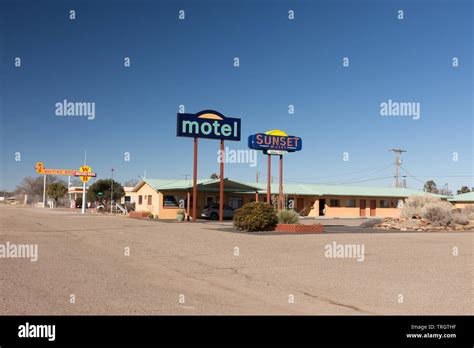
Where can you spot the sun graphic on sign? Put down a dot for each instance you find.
(210, 115)
(277, 132)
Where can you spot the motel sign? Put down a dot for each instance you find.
(275, 142)
(208, 124)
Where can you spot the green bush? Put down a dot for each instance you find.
(255, 216)
(288, 217)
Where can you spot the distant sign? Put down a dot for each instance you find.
(84, 173)
(40, 169)
(208, 124)
(275, 142)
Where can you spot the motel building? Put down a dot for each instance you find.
(463, 200)
(163, 198)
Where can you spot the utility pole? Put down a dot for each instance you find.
(398, 153)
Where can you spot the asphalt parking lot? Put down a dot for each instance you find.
(210, 268)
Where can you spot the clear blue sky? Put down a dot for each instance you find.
(282, 62)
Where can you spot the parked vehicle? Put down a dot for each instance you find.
(212, 212)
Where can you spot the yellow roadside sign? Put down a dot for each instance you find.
(39, 167)
(85, 169)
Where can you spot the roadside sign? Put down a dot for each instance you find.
(275, 140)
(39, 168)
(100, 193)
(208, 124)
(84, 171)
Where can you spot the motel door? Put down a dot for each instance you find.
(300, 204)
(372, 207)
(362, 207)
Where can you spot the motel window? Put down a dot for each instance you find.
(140, 199)
(350, 203)
(210, 200)
(384, 203)
(235, 203)
(170, 201)
(149, 200)
(127, 199)
(335, 203)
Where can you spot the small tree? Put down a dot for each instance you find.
(214, 176)
(464, 189)
(430, 186)
(56, 190)
(104, 187)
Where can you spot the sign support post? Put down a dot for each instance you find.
(44, 191)
(280, 193)
(221, 184)
(188, 203)
(83, 197)
(269, 174)
(195, 178)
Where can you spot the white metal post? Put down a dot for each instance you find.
(44, 191)
(83, 198)
(84, 187)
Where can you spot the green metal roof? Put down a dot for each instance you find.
(463, 197)
(167, 185)
(343, 190)
(291, 189)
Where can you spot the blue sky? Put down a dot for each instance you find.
(282, 62)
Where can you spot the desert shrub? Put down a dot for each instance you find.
(255, 216)
(438, 214)
(413, 205)
(288, 217)
(460, 218)
(469, 211)
(371, 223)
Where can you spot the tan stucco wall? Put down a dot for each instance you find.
(310, 203)
(146, 190)
(461, 205)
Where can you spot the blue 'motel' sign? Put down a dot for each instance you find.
(278, 141)
(208, 124)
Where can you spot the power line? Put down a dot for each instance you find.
(414, 177)
(339, 175)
